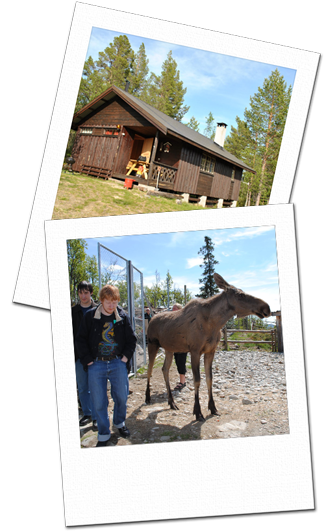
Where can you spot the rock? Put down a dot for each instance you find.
(246, 401)
(89, 442)
(233, 397)
(232, 429)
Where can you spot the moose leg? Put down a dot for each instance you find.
(152, 350)
(195, 358)
(208, 360)
(165, 369)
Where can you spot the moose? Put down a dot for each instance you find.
(196, 328)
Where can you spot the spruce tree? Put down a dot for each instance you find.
(208, 287)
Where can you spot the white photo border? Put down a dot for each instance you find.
(86, 17)
(219, 477)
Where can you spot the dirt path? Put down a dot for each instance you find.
(249, 389)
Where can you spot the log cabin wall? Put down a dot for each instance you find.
(94, 150)
(188, 170)
(124, 151)
(100, 150)
(219, 184)
(116, 112)
(224, 186)
(237, 183)
(171, 158)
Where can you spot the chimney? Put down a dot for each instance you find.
(127, 85)
(220, 134)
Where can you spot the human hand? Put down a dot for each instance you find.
(124, 359)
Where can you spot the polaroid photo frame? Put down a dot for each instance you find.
(274, 471)
(84, 19)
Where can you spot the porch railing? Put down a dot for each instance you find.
(163, 174)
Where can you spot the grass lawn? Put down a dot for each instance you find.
(80, 196)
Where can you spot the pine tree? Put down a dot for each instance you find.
(140, 70)
(91, 84)
(166, 92)
(266, 120)
(116, 61)
(76, 264)
(208, 288)
(193, 124)
(210, 128)
(257, 138)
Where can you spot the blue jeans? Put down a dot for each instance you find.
(116, 372)
(83, 390)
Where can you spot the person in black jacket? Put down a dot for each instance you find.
(85, 291)
(106, 343)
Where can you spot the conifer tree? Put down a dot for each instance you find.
(138, 78)
(115, 63)
(210, 128)
(193, 124)
(257, 139)
(208, 287)
(166, 92)
(91, 84)
(267, 117)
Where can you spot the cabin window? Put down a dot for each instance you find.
(233, 174)
(86, 130)
(111, 131)
(207, 164)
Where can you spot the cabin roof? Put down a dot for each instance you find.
(161, 121)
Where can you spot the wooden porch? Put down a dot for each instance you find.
(153, 174)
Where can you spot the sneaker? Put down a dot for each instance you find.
(94, 426)
(124, 432)
(86, 419)
(104, 443)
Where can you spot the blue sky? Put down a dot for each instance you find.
(247, 258)
(215, 83)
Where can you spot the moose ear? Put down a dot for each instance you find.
(221, 283)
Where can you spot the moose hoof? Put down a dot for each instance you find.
(173, 406)
(200, 418)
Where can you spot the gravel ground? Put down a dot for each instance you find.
(249, 389)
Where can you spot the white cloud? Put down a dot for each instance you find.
(193, 262)
(149, 280)
(271, 267)
(251, 232)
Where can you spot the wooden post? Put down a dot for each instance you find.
(185, 295)
(154, 150)
(279, 331)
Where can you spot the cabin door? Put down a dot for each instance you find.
(123, 151)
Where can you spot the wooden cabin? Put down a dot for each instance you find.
(120, 136)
